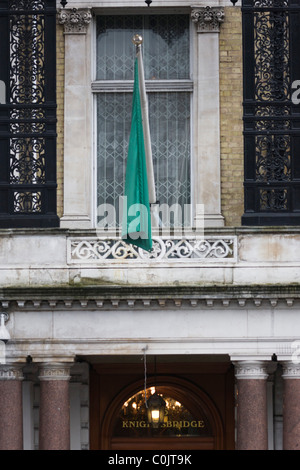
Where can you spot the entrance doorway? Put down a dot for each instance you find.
(194, 418)
(182, 428)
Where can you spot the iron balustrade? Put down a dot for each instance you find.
(271, 44)
(28, 114)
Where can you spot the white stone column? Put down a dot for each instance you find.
(207, 183)
(78, 119)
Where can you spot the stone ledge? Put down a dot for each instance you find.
(257, 294)
(227, 230)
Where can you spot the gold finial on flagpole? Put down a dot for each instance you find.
(137, 39)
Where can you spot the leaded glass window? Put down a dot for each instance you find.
(166, 59)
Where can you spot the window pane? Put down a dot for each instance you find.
(170, 135)
(165, 46)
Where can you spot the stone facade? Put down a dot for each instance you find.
(231, 124)
(76, 296)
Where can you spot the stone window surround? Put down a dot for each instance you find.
(79, 147)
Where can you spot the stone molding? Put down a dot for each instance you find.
(75, 21)
(251, 370)
(55, 371)
(11, 372)
(95, 302)
(208, 19)
(290, 370)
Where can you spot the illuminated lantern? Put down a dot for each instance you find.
(156, 410)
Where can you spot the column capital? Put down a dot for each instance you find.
(75, 20)
(11, 372)
(208, 19)
(290, 370)
(251, 370)
(54, 371)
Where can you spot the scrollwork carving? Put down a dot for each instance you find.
(208, 19)
(75, 21)
(164, 249)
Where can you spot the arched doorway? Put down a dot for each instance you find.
(192, 420)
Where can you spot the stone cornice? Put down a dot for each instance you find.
(175, 296)
(208, 19)
(75, 21)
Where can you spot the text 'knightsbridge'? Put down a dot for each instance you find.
(167, 424)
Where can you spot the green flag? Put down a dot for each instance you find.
(136, 210)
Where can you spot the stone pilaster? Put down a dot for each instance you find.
(11, 411)
(291, 406)
(54, 407)
(252, 425)
(207, 187)
(77, 211)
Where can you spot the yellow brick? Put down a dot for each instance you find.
(231, 113)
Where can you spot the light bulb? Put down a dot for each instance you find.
(155, 415)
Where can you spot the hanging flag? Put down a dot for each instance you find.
(139, 181)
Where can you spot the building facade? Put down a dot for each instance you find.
(209, 318)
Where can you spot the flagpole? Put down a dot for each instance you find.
(137, 211)
(137, 40)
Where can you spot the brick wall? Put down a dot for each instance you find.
(60, 116)
(231, 96)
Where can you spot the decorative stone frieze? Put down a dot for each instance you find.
(75, 20)
(208, 19)
(251, 370)
(104, 250)
(54, 371)
(11, 372)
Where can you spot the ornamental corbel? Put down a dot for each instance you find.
(208, 19)
(75, 21)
